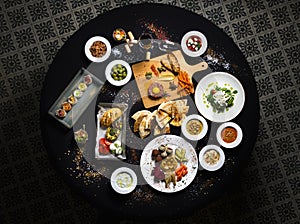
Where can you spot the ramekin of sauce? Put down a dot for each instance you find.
(229, 135)
(194, 127)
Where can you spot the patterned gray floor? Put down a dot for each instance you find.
(267, 32)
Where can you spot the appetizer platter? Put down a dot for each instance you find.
(111, 125)
(219, 96)
(75, 98)
(169, 163)
(164, 78)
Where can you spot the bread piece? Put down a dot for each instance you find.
(164, 130)
(174, 63)
(162, 118)
(136, 115)
(167, 107)
(143, 132)
(110, 116)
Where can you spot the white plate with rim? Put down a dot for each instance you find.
(188, 51)
(89, 44)
(238, 139)
(204, 165)
(194, 137)
(108, 71)
(147, 163)
(120, 175)
(222, 79)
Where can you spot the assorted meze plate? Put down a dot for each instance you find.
(219, 96)
(169, 163)
(169, 105)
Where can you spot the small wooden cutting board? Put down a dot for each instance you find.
(139, 70)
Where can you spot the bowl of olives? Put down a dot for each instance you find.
(118, 72)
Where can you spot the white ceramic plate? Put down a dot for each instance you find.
(147, 164)
(222, 79)
(237, 140)
(205, 165)
(89, 44)
(110, 78)
(188, 51)
(126, 173)
(203, 131)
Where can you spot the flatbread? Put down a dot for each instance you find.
(143, 132)
(162, 118)
(177, 121)
(139, 113)
(164, 130)
(138, 122)
(167, 107)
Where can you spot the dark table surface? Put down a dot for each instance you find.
(144, 202)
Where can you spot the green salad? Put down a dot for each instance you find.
(221, 98)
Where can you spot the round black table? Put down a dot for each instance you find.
(79, 169)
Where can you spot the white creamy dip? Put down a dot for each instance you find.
(124, 180)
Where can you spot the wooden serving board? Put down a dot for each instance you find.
(139, 70)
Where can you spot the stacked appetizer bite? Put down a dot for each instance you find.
(70, 102)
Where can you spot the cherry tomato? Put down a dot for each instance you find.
(108, 143)
(103, 150)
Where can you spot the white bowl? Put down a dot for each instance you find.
(188, 51)
(126, 173)
(110, 78)
(238, 139)
(89, 44)
(221, 79)
(207, 166)
(191, 136)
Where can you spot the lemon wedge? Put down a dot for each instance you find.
(166, 77)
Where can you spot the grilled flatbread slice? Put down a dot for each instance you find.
(177, 121)
(162, 118)
(139, 113)
(150, 120)
(164, 130)
(143, 132)
(167, 107)
(179, 112)
(137, 123)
